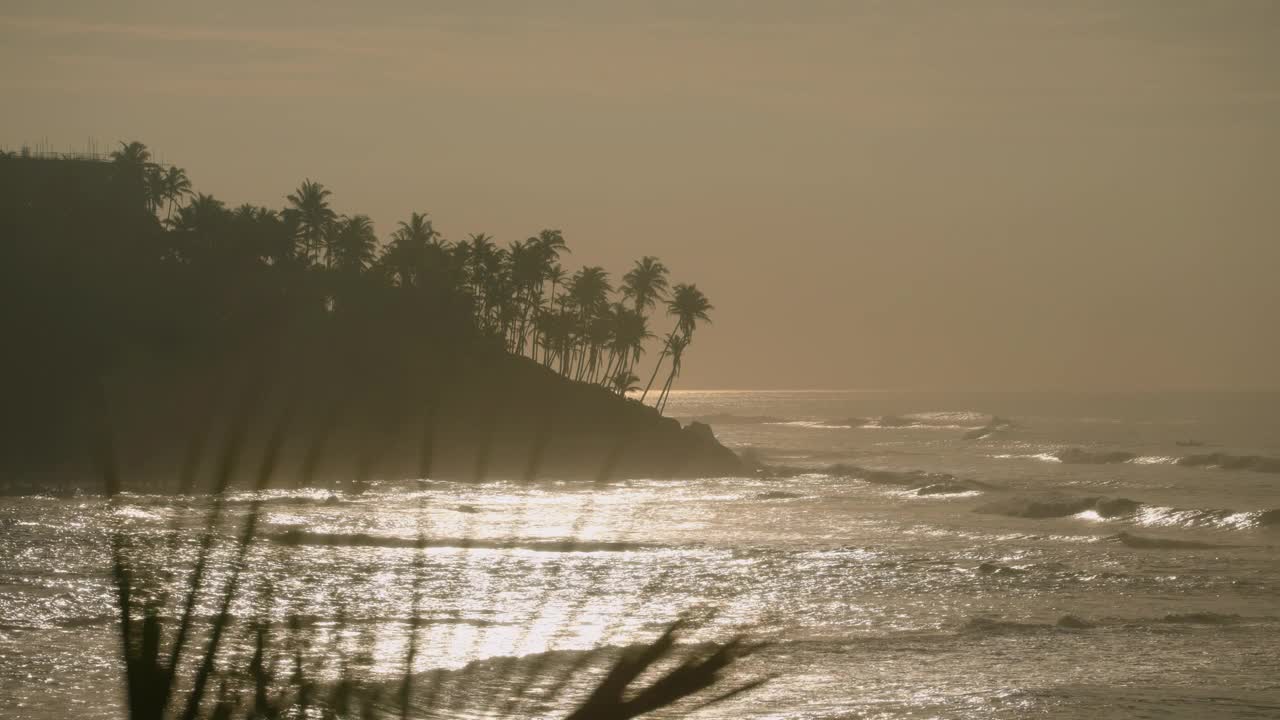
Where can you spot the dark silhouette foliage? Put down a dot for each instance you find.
(119, 274)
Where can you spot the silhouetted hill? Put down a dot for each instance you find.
(205, 347)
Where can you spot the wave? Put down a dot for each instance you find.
(1077, 456)
(1219, 461)
(778, 495)
(901, 478)
(1096, 507)
(918, 482)
(1224, 461)
(946, 487)
(1201, 618)
(995, 425)
(983, 625)
(307, 538)
(1059, 507)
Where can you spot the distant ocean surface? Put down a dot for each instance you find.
(908, 555)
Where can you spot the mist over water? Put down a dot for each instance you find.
(1067, 560)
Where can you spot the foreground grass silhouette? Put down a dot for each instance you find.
(178, 665)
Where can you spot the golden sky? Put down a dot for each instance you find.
(961, 195)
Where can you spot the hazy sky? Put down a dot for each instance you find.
(1078, 195)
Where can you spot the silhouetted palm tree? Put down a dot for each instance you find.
(629, 331)
(201, 214)
(353, 243)
(417, 229)
(174, 185)
(689, 306)
(676, 345)
(133, 154)
(202, 222)
(624, 382)
(518, 295)
(645, 283)
(311, 202)
(133, 166)
(264, 233)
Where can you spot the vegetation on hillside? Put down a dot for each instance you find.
(577, 323)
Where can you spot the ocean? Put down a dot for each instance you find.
(903, 555)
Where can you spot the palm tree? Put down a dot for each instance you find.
(405, 258)
(353, 243)
(153, 179)
(263, 233)
(200, 224)
(133, 154)
(628, 333)
(133, 163)
(202, 214)
(676, 345)
(624, 382)
(646, 282)
(417, 229)
(588, 292)
(555, 275)
(174, 186)
(311, 202)
(688, 305)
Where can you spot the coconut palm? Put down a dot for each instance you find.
(589, 289)
(417, 230)
(263, 233)
(353, 243)
(133, 166)
(688, 305)
(588, 292)
(153, 179)
(629, 332)
(476, 255)
(554, 275)
(624, 381)
(676, 345)
(203, 214)
(174, 185)
(645, 283)
(311, 202)
(415, 249)
(133, 155)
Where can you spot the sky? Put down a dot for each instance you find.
(909, 195)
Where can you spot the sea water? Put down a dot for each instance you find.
(904, 555)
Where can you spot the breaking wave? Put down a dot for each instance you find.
(1219, 461)
(995, 425)
(1059, 507)
(1095, 507)
(918, 481)
(1224, 461)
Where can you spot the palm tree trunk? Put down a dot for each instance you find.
(656, 367)
(609, 367)
(662, 398)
